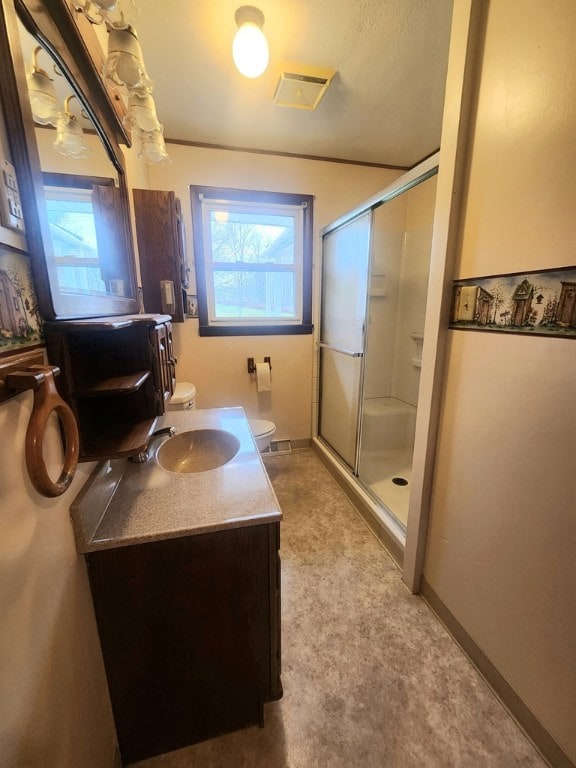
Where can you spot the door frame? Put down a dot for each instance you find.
(467, 18)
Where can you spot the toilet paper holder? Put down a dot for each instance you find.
(252, 364)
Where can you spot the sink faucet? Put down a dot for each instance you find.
(140, 458)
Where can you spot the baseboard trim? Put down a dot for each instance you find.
(532, 727)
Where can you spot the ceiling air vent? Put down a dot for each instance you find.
(302, 87)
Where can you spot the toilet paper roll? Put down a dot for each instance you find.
(263, 383)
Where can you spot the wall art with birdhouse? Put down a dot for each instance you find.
(531, 303)
(20, 323)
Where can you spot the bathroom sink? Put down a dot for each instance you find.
(198, 450)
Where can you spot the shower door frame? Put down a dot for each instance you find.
(423, 171)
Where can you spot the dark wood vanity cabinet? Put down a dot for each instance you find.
(190, 633)
(161, 250)
(117, 374)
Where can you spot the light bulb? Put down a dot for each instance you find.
(250, 47)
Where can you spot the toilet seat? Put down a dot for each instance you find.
(184, 396)
(261, 428)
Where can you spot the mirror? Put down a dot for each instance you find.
(81, 241)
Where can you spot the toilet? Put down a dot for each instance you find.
(184, 398)
(262, 431)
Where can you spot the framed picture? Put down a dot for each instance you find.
(528, 303)
(20, 324)
(191, 306)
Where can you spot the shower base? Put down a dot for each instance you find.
(387, 446)
(395, 496)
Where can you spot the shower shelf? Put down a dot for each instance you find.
(419, 340)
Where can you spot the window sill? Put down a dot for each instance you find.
(255, 330)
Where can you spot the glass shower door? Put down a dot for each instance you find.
(401, 244)
(346, 253)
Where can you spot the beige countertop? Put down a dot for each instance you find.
(125, 503)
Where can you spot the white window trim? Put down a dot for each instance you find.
(210, 205)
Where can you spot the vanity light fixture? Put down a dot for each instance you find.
(153, 149)
(250, 47)
(96, 11)
(125, 68)
(125, 63)
(43, 99)
(70, 140)
(141, 117)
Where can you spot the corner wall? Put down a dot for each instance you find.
(502, 536)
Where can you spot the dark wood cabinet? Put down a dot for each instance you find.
(117, 374)
(162, 250)
(190, 633)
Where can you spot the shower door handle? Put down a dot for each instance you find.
(342, 351)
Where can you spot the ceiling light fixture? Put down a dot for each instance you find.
(43, 99)
(250, 47)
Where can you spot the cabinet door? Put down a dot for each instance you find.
(163, 364)
(160, 249)
(187, 633)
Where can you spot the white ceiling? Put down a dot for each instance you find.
(383, 106)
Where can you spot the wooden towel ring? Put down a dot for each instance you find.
(40, 378)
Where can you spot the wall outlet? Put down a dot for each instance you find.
(10, 203)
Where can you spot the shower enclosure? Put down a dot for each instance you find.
(374, 287)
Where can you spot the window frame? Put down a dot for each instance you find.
(210, 327)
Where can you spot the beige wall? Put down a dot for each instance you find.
(54, 706)
(502, 539)
(217, 366)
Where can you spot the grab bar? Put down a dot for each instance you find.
(340, 349)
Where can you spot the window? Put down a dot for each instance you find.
(85, 234)
(253, 255)
(73, 233)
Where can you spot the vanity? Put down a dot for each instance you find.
(185, 576)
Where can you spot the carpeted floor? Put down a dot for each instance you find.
(371, 679)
